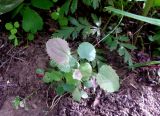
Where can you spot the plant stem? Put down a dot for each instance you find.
(105, 26)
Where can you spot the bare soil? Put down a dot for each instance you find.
(18, 78)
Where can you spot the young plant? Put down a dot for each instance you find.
(73, 75)
(17, 103)
(31, 20)
(13, 31)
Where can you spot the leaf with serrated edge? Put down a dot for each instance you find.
(108, 79)
(58, 50)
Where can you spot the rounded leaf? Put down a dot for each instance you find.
(8, 26)
(86, 70)
(55, 15)
(52, 76)
(58, 50)
(32, 21)
(30, 36)
(108, 79)
(11, 37)
(87, 51)
(13, 31)
(16, 24)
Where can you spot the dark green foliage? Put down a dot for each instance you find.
(120, 44)
(80, 26)
(32, 22)
(8, 5)
(42, 4)
(94, 3)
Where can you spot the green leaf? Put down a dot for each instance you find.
(86, 70)
(16, 24)
(108, 79)
(87, 2)
(96, 21)
(63, 21)
(30, 37)
(73, 21)
(64, 67)
(128, 46)
(87, 84)
(128, 58)
(95, 3)
(8, 5)
(11, 37)
(68, 87)
(156, 3)
(65, 8)
(70, 80)
(74, 6)
(8, 26)
(42, 4)
(17, 10)
(86, 51)
(121, 51)
(13, 31)
(65, 32)
(32, 21)
(123, 38)
(60, 90)
(149, 63)
(73, 62)
(113, 45)
(76, 95)
(52, 76)
(55, 1)
(80, 26)
(15, 41)
(55, 15)
(16, 102)
(137, 17)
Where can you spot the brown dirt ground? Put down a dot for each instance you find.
(17, 65)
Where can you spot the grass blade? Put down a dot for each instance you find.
(153, 21)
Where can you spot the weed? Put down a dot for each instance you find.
(73, 75)
(13, 31)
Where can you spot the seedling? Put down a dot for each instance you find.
(75, 74)
(13, 31)
(17, 103)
